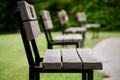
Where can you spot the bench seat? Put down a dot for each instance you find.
(75, 30)
(68, 38)
(77, 59)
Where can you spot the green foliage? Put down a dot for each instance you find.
(7, 16)
(105, 12)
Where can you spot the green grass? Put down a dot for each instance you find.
(13, 62)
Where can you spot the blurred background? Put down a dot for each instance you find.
(105, 12)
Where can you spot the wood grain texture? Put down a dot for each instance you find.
(70, 59)
(32, 29)
(52, 59)
(89, 60)
(46, 19)
(27, 11)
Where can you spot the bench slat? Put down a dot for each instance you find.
(46, 19)
(77, 37)
(27, 11)
(70, 59)
(89, 59)
(68, 38)
(75, 30)
(32, 29)
(52, 59)
(81, 16)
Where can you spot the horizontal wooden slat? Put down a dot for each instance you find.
(81, 16)
(52, 59)
(68, 38)
(70, 59)
(48, 24)
(75, 30)
(46, 19)
(45, 15)
(89, 59)
(92, 25)
(32, 29)
(27, 10)
(59, 38)
(77, 37)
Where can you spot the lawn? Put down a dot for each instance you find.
(13, 62)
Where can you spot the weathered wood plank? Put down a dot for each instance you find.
(27, 10)
(67, 38)
(89, 59)
(71, 59)
(52, 60)
(46, 19)
(77, 37)
(92, 25)
(75, 30)
(59, 38)
(81, 16)
(32, 29)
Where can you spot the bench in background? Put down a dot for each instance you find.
(64, 19)
(81, 16)
(60, 39)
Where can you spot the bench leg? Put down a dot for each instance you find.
(97, 32)
(90, 75)
(84, 76)
(83, 40)
(37, 77)
(77, 45)
(31, 74)
(50, 46)
(94, 31)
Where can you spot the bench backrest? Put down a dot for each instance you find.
(62, 19)
(81, 16)
(46, 24)
(29, 29)
(29, 19)
(46, 18)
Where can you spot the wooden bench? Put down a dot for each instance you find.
(60, 39)
(63, 20)
(81, 16)
(56, 60)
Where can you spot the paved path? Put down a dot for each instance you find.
(109, 53)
